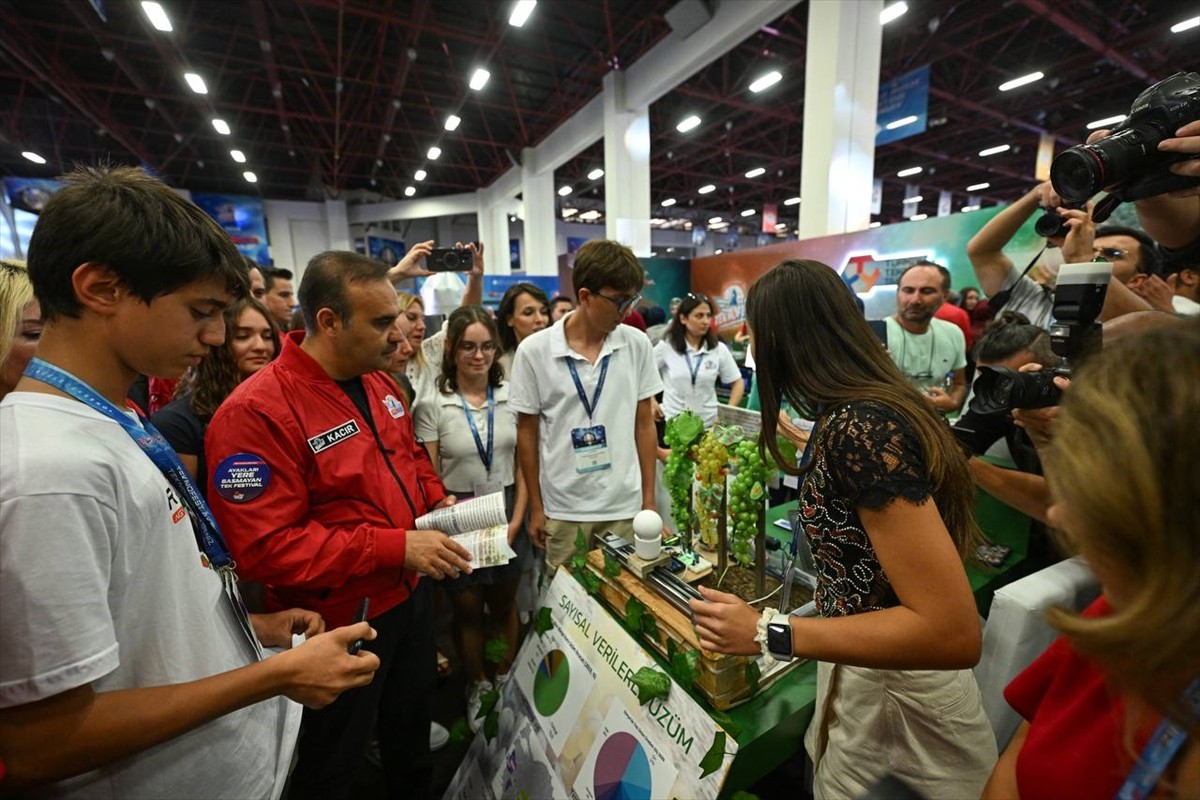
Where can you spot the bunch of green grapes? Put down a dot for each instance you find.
(746, 494)
(712, 461)
(681, 433)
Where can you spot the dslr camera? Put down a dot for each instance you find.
(1051, 225)
(1128, 162)
(1078, 299)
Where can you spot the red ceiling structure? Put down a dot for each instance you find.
(343, 98)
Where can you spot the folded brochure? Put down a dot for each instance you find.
(480, 525)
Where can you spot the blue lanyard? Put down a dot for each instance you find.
(484, 455)
(156, 449)
(590, 408)
(695, 370)
(1163, 745)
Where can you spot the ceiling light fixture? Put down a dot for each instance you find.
(892, 12)
(596, 174)
(874, 224)
(250, 177)
(590, 215)
(992, 151)
(918, 217)
(419, 175)
(749, 212)
(195, 82)
(479, 78)
(970, 208)
(563, 191)
(914, 199)
(687, 123)
(670, 201)
(1186, 25)
(434, 153)
(521, 11)
(157, 16)
(1021, 81)
(569, 212)
(1101, 123)
(978, 187)
(754, 173)
(714, 220)
(238, 156)
(904, 173)
(792, 201)
(409, 191)
(34, 157)
(900, 123)
(452, 122)
(706, 188)
(766, 81)
(221, 126)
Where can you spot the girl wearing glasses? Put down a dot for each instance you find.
(691, 359)
(471, 436)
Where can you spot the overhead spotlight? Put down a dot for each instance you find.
(1021, 81)
(892, 12)
(195, 82)
(1102, 123)
(706, 188)
(918, 217)
(409, 191)
(434, 153)
(1000, 148)
(250, 177)
(714, 220)
(521, 11)
(754, 173)
(900, 123)
(749, 212)
(452, 122)
(596, 174)
(563, 191)
(479, 79)
(874, 224)
(1186, 25)
(970, 208)
(569, 212)
(157, 16)
(419, 175)
(34, 157)
(914, 199)
(238, 156)
(766, 81)
(792, 201)
(978, 187)
(221, 126)
(904, 173)
(670, 201)
(687, 123)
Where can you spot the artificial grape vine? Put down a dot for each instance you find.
(681, 433)
(746, 493)
(712, 464)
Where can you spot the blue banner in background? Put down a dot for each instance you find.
(903, 104)
(389, 251)
(494, 286)
(30, 194)
(242, 218)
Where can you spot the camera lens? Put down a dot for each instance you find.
(1078, 173)
(999, 390)
(1051, 225)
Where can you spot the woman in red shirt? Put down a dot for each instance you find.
(1128, 667)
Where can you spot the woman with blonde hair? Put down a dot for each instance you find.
(20, 323)
(1112, 708)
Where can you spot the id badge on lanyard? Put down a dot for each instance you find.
(488, 485)
(590, 444)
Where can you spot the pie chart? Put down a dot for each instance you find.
(622, 769)
(551, 682)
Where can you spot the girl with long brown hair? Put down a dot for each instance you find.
(886, 508)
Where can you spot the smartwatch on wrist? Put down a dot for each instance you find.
(779, 637)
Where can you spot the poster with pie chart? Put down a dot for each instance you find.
(551, 682)
(556, 681)
(625, 762)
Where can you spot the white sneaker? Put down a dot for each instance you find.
(475, 693)
(438, 737)
(501, 680)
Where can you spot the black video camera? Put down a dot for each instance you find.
(1128, 161)
(1052, 225)
(1078, 299)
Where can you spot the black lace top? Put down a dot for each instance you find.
(864, 454)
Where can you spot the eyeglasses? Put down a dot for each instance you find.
(623, 304)
(1109, 253)
(471, 348)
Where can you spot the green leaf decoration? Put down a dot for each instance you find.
(715, 756)
(726, 722)
(740, 795)
(684, 666)
(495, 651)
(578, 563)
(612, 567)
(544, 621)
(460, 731)
(651, 683)
(650, 627)
(634, 614)
(590, 581)
(672, 649)
(683, 431)
(581, 542)
(488, 703)
(491, 725)
(753, 673)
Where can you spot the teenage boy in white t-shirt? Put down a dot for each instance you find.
(127, 667)
(583, 390)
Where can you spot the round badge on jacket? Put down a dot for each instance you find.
(241, 477)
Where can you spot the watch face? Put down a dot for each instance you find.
(779, 639)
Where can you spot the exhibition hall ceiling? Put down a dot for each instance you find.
(346, 98)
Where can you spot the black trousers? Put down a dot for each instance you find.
(334, 739)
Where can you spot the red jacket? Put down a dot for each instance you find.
(953, 314)
(322, 523)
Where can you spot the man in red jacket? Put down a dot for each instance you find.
(318, 481)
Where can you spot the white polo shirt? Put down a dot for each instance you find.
(441, 419)
(541, 384)
(680, 392)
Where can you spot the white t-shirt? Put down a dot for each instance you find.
(541, 384)
(679, 392)
(101, 583)
(926, 358)
(1185, 306)
(1029, 297)
(440, 419)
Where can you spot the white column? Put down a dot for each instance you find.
(338, 223)
(540, 254)
(626, 168)
(841, 89)
(492, 219)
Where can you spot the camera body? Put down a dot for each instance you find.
(1128, 161)
(449, 259)
(1051, 224)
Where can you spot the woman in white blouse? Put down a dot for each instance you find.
(690, 360)
(471, 437)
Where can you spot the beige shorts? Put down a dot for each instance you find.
(560, 538)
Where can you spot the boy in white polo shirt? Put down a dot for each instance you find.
(582, 390)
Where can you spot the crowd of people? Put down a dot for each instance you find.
(265, 497)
